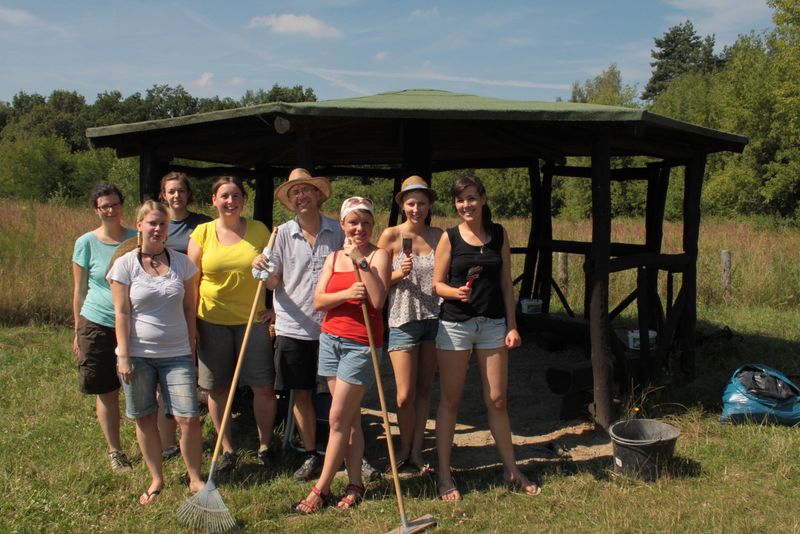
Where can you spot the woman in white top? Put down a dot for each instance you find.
(154, 304)
(413, 317)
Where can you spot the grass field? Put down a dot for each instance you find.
(55, 476)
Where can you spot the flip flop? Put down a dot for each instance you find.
(448, 489)
(146, 498)
(531, 488)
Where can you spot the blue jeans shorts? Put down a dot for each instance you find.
(475, 333)
(406, 337)
(347, 360)
(178, 380)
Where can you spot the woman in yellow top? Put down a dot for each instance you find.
(223, 250)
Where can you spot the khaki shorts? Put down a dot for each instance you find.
(97, 361)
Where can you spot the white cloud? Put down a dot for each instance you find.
(236, 81)
(723, 18)
(301, 24)
(380, 56)
(17, 17)
(206, 80)
(425, 13)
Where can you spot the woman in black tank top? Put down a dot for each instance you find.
(472, 273)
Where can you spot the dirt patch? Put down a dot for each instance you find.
(533, 409)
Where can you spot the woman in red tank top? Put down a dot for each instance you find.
(344, 351)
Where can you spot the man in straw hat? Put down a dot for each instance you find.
(296, 261)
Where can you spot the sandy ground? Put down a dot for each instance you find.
(533, 410)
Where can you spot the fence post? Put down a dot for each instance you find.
(563, 271)
(727, 263)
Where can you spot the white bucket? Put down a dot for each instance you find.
(529, 306)
(634, 342)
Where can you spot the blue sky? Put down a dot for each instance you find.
(523, 50)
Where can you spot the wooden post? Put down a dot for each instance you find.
(532, 253)
(151, 169)
(562, 270)
(265, 197)
(415, 142)
(693, 183)
(599, 322)
(727, 266)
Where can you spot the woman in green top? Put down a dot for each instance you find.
(93, 311)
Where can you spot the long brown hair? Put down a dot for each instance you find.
(470, 180)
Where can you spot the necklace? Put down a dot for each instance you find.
(155, 263)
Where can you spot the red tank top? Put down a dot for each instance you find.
(347, 320)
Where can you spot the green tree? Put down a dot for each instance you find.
(163, 102)
(606, 88)
(277, 93)
(35, 167)
(680, 50)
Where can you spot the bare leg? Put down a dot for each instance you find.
(493, 365)
(217, 398)
(306, 418)
(264, 407)
(426, 370)
(404, 365)
(452, 374)
(345, 409)
(150, 445)
(192, 450)
(355, 449)
(166, 425)
(108, 417)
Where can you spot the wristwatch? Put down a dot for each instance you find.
(363, 265)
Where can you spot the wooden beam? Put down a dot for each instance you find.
(599, 322)
(205, 172)
(617, 175)
(531, 252)
(264, 199)
(693, 183)
(666, 262)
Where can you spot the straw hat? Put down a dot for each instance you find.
(301, 176)
(414, 183)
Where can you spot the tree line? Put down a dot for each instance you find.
(751, 88)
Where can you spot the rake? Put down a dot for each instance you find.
(427, 520)
(205, 510)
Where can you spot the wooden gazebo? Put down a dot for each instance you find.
(393, 135)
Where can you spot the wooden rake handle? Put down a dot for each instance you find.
(386, 428)
(235, 380)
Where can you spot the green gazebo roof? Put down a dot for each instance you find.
(459, 128)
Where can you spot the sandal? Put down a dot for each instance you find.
(353, 495)
(448, 491)
(323, 501)
(410, 467)
(524, 485)
(148, 497)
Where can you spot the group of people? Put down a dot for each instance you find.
(162, 309)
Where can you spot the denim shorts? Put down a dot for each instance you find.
(347, 360)
(407, 336)
(218, 349)
(475, 333)
(177, 377)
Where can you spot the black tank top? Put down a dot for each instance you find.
(487, 295)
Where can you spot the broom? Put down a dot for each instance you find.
(205, 510)
(427, 520)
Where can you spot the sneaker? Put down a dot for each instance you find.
(267, 457)
(369, 473)
(226, 462)
(311, 467)
(170, 452)
(119, 462)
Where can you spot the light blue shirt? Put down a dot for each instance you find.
(300, 265)
(93, 256)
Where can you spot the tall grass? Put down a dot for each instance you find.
(36, 243)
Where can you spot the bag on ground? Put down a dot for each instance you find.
(757, 393)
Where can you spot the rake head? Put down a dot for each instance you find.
(206, 511)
